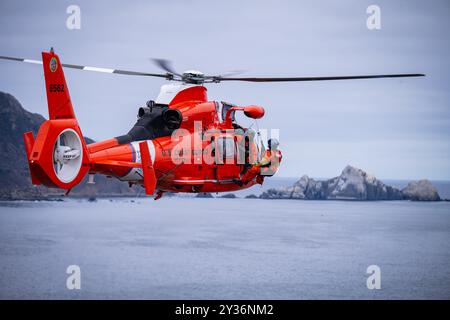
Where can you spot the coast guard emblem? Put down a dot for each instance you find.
(53, 64)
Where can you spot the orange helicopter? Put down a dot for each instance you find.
(181, 142)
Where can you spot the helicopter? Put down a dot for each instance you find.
(181, 141)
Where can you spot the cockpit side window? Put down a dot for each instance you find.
(225, 107)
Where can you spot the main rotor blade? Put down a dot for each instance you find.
(95, 69)
(166, 65)
(226, 74)
(21, 60)
(258, 79)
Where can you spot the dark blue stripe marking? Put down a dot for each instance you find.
(133, 154)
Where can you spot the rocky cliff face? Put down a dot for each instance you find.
(355, 184)
(421, 190)
(14, 120)
(15, 180)
(352, 184)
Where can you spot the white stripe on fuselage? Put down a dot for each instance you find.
(136, 174)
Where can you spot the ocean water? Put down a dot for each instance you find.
(186, 248)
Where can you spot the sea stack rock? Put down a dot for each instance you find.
(204, 195)
(229, 196)
(355, 184)
(352, 184)
(421, 190)
(276, 193)
(307, 188)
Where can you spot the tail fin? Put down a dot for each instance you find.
(58, 98)
(58, 157)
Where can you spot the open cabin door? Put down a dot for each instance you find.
(227, 167)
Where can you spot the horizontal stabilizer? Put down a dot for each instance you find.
(147, 169)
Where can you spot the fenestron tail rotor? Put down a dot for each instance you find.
(197, 77)
(67, 155)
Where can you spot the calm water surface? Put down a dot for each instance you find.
(185, 248)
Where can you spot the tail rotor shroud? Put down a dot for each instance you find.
(67, 155)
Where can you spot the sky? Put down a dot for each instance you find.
(392, 128)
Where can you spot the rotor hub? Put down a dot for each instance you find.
(193, 76)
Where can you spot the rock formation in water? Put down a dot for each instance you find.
(204, 195)
(228, 196)
(421, 190)
(352, 184)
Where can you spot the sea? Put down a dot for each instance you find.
(194, 248)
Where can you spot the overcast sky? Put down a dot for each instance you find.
(392, 128)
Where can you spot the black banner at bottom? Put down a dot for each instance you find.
(221, 309)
